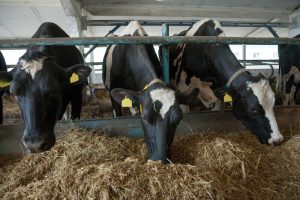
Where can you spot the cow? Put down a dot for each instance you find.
(252, 96)
(3, 67)
(41, 81)
(131, 73)
(288, 81)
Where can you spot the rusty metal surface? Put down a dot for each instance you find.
(197, 122)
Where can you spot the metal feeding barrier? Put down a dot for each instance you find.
(211, 121)
(164, 40)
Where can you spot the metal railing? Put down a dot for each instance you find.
(164, 40)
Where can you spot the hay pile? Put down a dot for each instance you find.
(90, 165)
(11, 110)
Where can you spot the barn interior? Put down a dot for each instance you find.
(213, 156)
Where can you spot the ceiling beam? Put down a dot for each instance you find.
(184, 11)
(30, 2)
(73, 12)
(295, 27)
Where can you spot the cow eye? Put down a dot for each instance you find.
(253, 109)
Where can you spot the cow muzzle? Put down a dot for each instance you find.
(37, 144)
(275, 141)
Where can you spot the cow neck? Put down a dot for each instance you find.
(237, 80)
(156, 80)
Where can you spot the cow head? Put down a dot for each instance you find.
(37, 82)
(188, 84)
(253, 106)
(160, 115)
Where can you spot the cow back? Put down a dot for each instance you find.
(65, 56)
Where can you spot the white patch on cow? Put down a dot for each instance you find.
(67, 114)
(132, 27)
(288, 98)
(206, 95)
(266, 98)
(198, 24)
(32, 66)
(178, 60)
(108, 65)
(166, 97)
(219, 26)
(134, 111)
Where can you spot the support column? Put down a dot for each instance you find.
(294, 28)
(165, 56)
(73, 13)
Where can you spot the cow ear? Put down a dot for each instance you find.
(78, 74)
(5, 79)
(219, 93)
(127, 98)
(189, 97)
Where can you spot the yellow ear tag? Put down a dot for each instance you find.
(227, 98)
(4, 84)
(146, 86)
(141, 108)
(126, 103)
(74, 78)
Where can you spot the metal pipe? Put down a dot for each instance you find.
(165, 40)
(185, 23)
(95, 46)
(273, 32)
(165, 56)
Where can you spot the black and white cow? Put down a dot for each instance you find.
(41, 81)
(288, 81)
(3, 67)
(253, 98)
(133, 71)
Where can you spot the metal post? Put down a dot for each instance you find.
(165, 56)
(95, 46)
(273, 32)
(244, 54)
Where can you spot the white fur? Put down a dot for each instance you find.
(132, 27)
(177, 61)
(166, 97)
(108, 65)
(266, 98)
(198, 24)
(197, 83)
(288, 98)
(32, 66)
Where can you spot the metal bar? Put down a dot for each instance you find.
(245, 60)
(185, 23)
(165, 56)
(273, 32)
(165, 40)
(95, 46)
(94, 63)
(192, 123)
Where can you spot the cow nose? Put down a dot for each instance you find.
(36, 145)
(275, 142)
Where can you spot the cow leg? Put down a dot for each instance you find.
(64, 104)
(1, 110)
(117, 110)
(76, 102)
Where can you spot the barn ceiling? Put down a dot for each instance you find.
(21, 18)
